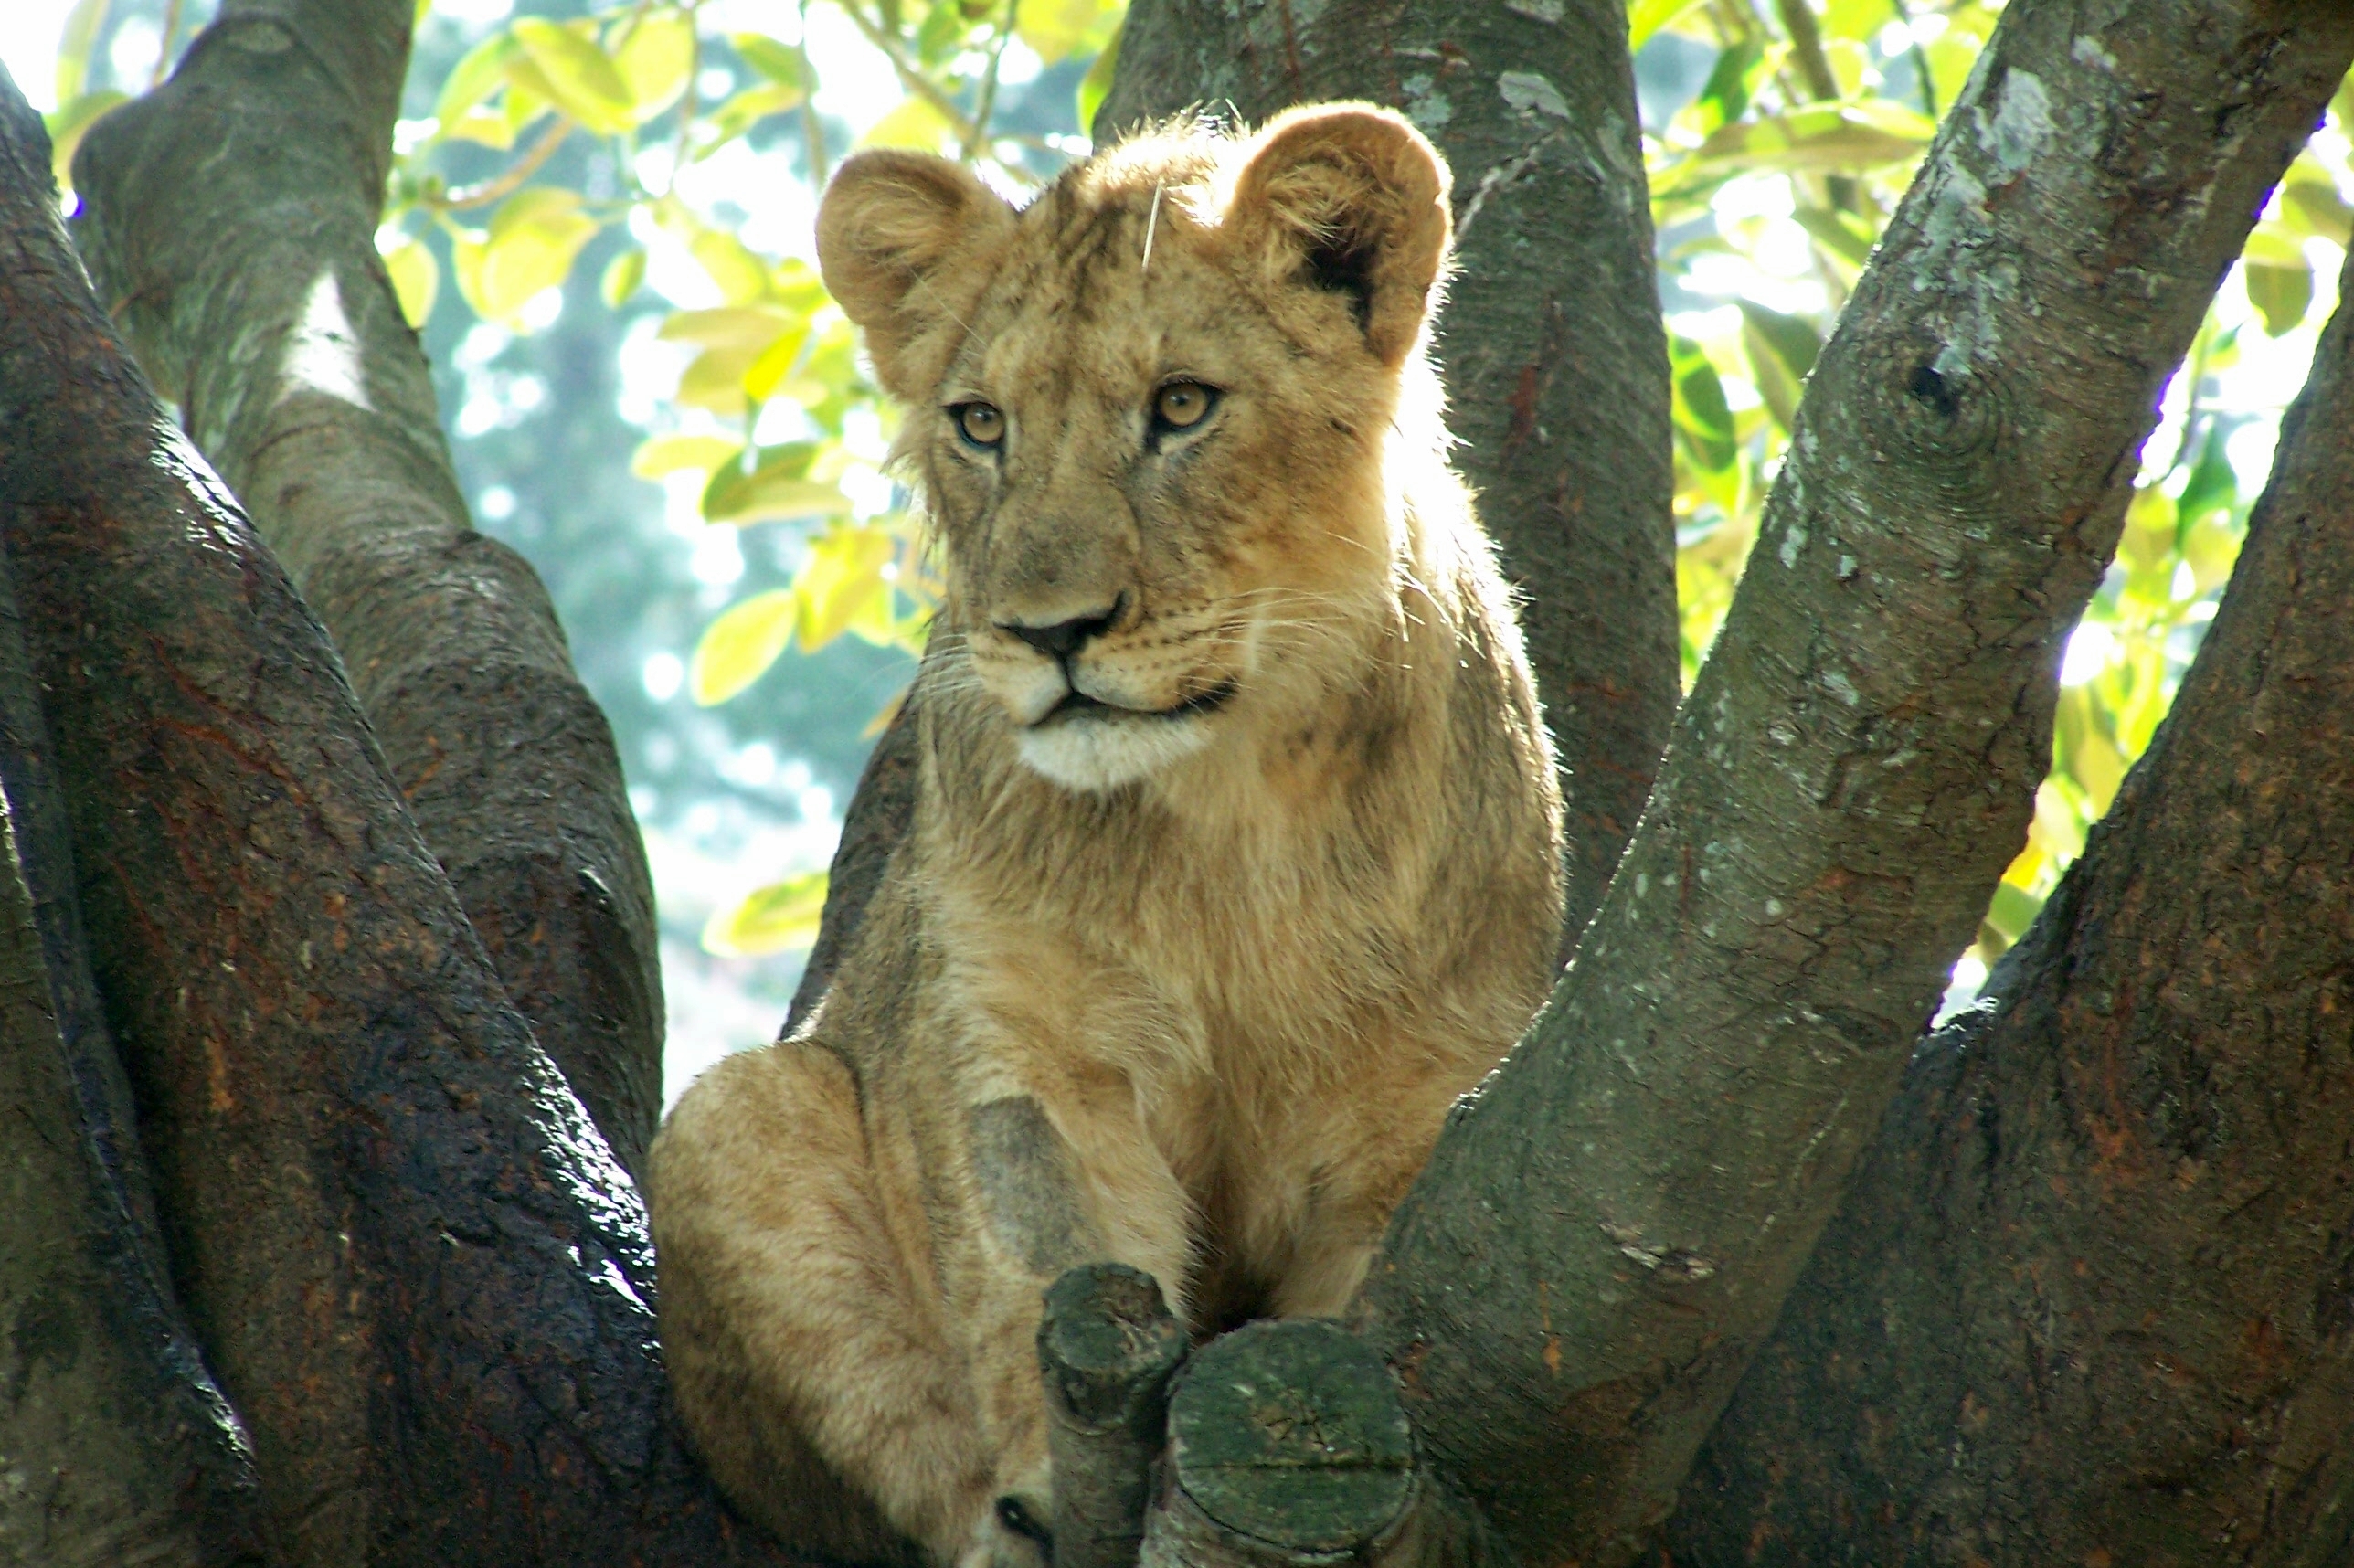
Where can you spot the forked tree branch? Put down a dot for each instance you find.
(231, 220)
(1605, 1234)
(2129, 1163)
(408, 1257)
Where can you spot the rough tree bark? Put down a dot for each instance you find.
(410, 1260)
(229, 222)
(1607, 1232)
(2130, 1163)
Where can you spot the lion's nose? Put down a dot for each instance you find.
(1064, 637)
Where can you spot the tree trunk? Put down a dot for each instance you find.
(230, 223)
(1607, 1232)
(414, 1266)
(2130, 1162)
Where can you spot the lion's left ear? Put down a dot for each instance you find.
(1351, 198)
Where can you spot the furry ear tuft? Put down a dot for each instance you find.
(1351, 198)
(890, 224)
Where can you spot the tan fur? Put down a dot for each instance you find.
(1190, 989)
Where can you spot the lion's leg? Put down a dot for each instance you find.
(1063, 1175)
(803, 1355)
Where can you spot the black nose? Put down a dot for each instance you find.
(1064, 637)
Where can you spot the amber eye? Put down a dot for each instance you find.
(1182, 405)
(981, 424)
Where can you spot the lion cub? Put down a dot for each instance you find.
(1236, 857)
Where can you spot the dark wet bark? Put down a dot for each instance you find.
(115, 1446)
(230, 221)
(2091, 1299)
(880, 810)
(1607, 1234)
(412, 1263)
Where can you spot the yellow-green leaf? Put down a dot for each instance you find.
(479, 73)
(533, 238)
(481, 128)
(75, 41)
(739, 274)
(842, 581)
(781, 63)
(737, 649)
(658, 455)
(579, 77)
(416, 279)
(2281, 294)
(655, 60)
(1645, 17)
(779, 485)
(623, 274)
(1096, 86)
(781, 916)
(752, 327)
(716, 381)
(1053, 29)
(2315, 207)
(767, 370)
(915, 124)
(746, 109)
(67, 125)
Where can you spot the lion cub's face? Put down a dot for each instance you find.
(1149, 414)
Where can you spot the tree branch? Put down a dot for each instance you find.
(412, 1261)
(2129, 1163)
(1605, 1234)
(118, 1443)
(231, 220)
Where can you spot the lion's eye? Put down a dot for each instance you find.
(981, 424)
(1182, 405)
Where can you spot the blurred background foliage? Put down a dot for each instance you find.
(600, 220)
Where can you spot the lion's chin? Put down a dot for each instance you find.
(1090, 752)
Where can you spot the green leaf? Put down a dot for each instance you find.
(658, 455)
(1856, 19)
(738, 273)
(1838, 233)
(2315, 207)
(781, 63)
(781, 916)
(778, 485)
(2213, 483)
(744, 111)
(655, 60)
(581, 79)
(531, 244)
(760, 378)
(750, 327)
(416, 279)
(2280, 293)
(75, 41)
(623, 275)
(915, 124)
(1821, 139)
(1096, 86)
(1725, 95)
(69, 122)
(1781, 350)
(842, 585)
(1053, 28)
(478, 74)
(1645, 17)
(738, 647)
(1702, 417)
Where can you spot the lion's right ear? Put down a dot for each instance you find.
(891, 223)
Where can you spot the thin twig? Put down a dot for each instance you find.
(910, 76)
(508, 182)
(987, 103)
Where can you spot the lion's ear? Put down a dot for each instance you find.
(891, 222)
(1351, 198)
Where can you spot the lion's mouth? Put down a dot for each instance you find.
(1077, 706)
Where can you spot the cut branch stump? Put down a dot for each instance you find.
(1107, 1347)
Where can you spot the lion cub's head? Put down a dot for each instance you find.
(1152, 413)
